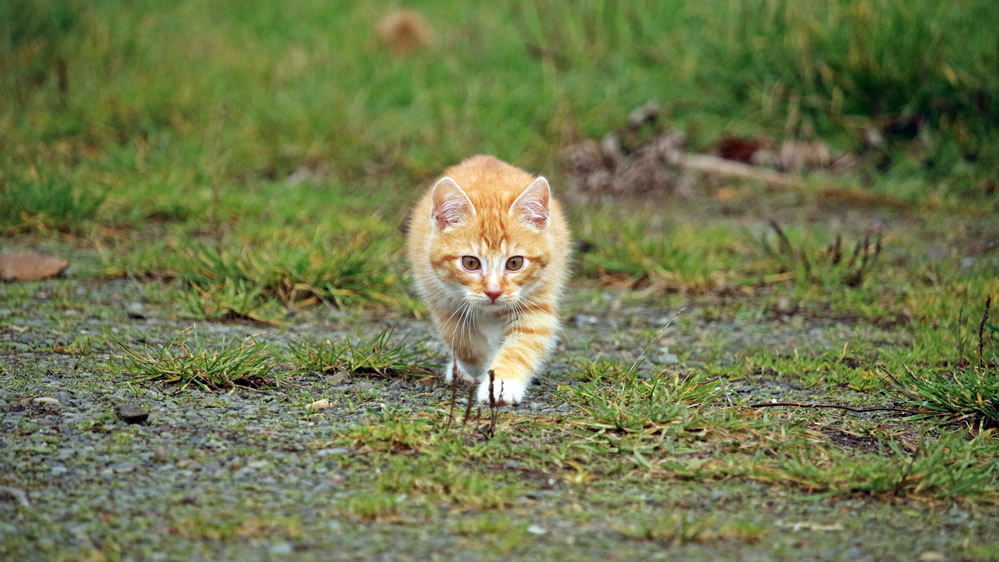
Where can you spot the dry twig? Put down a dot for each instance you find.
(830, 406)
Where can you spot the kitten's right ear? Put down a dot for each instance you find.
(451, 204)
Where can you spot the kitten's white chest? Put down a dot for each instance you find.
(492, 328)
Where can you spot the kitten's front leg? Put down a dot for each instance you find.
(524, 347)
(461, 372)
(469, 351)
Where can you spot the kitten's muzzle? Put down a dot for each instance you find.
(493, 294)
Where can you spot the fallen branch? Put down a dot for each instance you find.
(715, 166)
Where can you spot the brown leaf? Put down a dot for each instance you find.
(30, 267)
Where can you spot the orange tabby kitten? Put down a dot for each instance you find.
(489, 249)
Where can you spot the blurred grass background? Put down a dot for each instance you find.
(267, 153)
(186, 94)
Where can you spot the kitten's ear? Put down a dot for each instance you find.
(532, 204)
(451, 204)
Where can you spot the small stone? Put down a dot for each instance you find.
(931, 556)
(338, 378)
(132, 413)
(669, 359)
(59, 470)
(136, 311)
(581, 319)
(332, 451)
(281, 548)
(46, 401)
(536, 530)
(319, 405)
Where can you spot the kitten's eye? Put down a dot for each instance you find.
(515, 263)
(470, 263)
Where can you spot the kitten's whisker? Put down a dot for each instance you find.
(463, 323)
(458, 324)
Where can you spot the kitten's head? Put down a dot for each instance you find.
(490, 254)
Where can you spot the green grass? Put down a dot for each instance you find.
(838, 263)
(191, 363)
(714, 69)
(675, 529)
(970, 395)
(947, 467)
(35, 204)
(967, 391)
(631, 403)
(641, 252)
(381, 355)
(842, 60)
(808, 368)
(292, 270)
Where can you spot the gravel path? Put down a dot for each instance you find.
(255, 475)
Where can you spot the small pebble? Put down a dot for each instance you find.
(669, 359)
(319, 404)
(136, 311)
(332, 451)
(580, 319)
(536, 530)
(132, 413)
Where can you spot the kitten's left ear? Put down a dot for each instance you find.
(532, 204)
(451, 204)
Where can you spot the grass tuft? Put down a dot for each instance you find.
(49, 203)
(641, 253)
(234, 302)
(948, 467)
(678, 529)
(833, 264)
(968, 393)
(634, 404)
(380, 355)
(236, 363)
(293, 271)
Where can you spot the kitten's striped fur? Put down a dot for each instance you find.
(502, 315)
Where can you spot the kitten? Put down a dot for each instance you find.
(489, 249)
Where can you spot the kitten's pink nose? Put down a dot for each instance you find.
(493, 294)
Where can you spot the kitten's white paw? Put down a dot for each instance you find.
(504, 391)
(455, 371)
